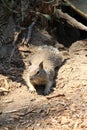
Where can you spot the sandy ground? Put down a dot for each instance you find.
(65, 108)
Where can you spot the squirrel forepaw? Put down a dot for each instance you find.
(46, 91)
(48, 88)
(32, 90)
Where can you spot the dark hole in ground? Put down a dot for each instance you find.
(64, 32)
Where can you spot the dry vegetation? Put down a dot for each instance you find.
(25, 25)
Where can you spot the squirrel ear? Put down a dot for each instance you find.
(41, 65)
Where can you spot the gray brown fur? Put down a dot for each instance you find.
(42, 68)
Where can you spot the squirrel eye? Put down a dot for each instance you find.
(38, 72)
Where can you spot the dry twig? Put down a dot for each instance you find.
(55, 95)
(15, 39)
(2, 89)
(30, 28)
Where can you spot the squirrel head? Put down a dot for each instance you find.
(37, 73)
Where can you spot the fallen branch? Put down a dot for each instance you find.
(72, 21)
(76, 9)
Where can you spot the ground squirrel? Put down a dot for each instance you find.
(42, 68)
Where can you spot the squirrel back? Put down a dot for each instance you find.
(50, 56)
